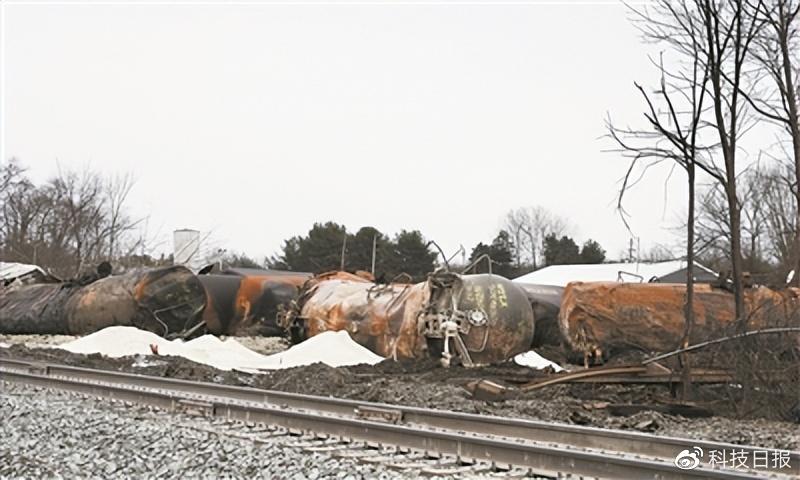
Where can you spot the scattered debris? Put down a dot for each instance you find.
(685, 410)
(652, 373)
(534, 360)
(424, 383)
(17, 274)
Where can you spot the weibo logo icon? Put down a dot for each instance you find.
(689, 459)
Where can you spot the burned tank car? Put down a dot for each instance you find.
(494, 318)
(163, 300)
(545, 301)
(246, 301)
(602, 319)
(480, 319)
(35, 309)
(221, 293)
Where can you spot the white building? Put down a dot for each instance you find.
(673, 271)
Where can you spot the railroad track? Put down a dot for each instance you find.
(543, 448)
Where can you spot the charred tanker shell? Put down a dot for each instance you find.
(221, 293)
(164, 300)
(35, 309)
(600, 319)
(493, 316)
(546, 303)
(382, 318)
(246, 301)
(480, 319)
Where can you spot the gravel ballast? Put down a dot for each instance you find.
(424, 384)
(51, 434)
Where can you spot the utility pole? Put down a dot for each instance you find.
(630, 250)
(533, 246)
(344, 248)
(374, 245)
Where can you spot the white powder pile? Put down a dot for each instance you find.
(534, 360)
(336, 349)
(332, 348)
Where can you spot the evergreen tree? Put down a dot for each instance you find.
(561, 251)
(359, 250)
(320, 251)
(411, 254)
(501, 251)
(592, 252)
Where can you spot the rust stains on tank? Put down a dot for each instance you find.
(478, 319)
(246, 301)
(604, 318)
(163, 300)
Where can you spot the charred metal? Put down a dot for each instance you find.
(476, 319)
(247, 301)
(602, 319)
(163, 300)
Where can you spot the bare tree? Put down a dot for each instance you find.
(776, 53)
(730, 27)
(768, 223)
(119, 223)
(672, 137)
(714, 37)
(658, 253)
(10, 175)
(781, 217)
(529, 226)
(73, 220)
(79, 202)
(675, 117)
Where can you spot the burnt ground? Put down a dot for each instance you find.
(425, 384)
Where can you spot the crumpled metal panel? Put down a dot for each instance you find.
(163, 300)
(492, 316)
(17, 274)
(605, 318)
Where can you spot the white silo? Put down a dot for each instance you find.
(186, 243)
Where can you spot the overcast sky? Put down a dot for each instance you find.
(254, 121)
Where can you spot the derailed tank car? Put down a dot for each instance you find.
(247, 301)
(479, 319)
(600, 319)
(546, 303)
(162, 300)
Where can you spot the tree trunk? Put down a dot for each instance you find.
(728, 136)
(791, 104)
(794, 130)
(796, 251)
(686, 378)
(734, 216)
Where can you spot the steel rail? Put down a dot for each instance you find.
(558, 448)
(634, 443)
